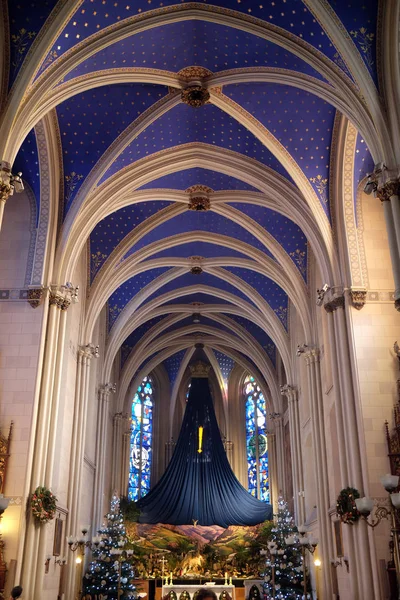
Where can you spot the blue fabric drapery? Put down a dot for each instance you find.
(201, 486)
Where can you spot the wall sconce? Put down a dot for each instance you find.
(60, 561)
(338, 563)
(365, 505)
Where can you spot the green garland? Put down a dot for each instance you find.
(43, 504)
(346, 508)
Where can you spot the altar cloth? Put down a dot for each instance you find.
(192, 589)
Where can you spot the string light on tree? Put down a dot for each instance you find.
(110, 573)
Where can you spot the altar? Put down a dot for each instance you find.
(192, 589)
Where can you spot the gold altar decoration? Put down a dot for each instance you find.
(199, 369)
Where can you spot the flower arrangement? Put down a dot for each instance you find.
(43, 504)
(346, 508)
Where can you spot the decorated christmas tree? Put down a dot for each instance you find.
(283, 577)
(110, 573)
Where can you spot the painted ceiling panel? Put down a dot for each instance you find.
(91, 121)
(184, 124)
(182, 180)
(225, 363)
(172, 365)
(268, 289)
(293, 16)
(25, 21)
(198, 249)
(199, 221)
(120, 298)
(197, 298)
(27, 162)
(360, 20)
(259, 334)
(178, 45)
(110, 231)
(136, 336)
(188, 279)
(287, 233)
(301, 122)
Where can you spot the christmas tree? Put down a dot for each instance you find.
(110, 573)
(283, 577)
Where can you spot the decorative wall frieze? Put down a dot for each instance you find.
(334, 304)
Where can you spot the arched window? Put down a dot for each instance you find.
(141, 440)
(256, 440)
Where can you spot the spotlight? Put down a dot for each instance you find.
(371, 186)
(321, 294)
(196, 318)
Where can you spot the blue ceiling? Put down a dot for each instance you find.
(188, 279)
(225, 363)
(120, 298)
(259, 334)
(199, 221)
(179, 45)
(287, 233)
(293, 16)
(91, 121)
(136, 336)
(110, 231)
(172, 365)
(182, 124)
(268, 289)
(27, 162)
(363, 166)
(182, 180)
(198, 249)
(300, 121)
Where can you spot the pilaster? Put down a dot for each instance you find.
(312, 358)
(277, 420)
(273, 470)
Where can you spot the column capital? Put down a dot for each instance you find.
(89, 351)
(310, 353)
(289, 391)
(108, 388)
(62, 295)
(388, 189)
(9, 183)
(334, 304)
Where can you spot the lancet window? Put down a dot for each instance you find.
(141, 441)
(256, 440)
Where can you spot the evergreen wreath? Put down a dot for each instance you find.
(43, 504)
(346, 508)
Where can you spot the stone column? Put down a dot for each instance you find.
(273, 468)
(277, 419)
(117, 452)
(43, 442)
(84, 356)
(295, 442)
(102, 416)
(8, 184)
(388, 192)
(352, 462)
(311, 355)
(126, 452)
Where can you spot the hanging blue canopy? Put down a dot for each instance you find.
(201, 486)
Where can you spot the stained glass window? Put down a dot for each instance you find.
(141, 441)
(256, 440)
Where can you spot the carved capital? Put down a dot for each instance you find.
(9, 183)
(397, 304)
(358, 298)
(62, 296)
(108, 388)
(334, 304)
(35, 296)
(389, 189)
(310, 353)
(5, 191)
(276, 417)
(89, 351)
(57, 299)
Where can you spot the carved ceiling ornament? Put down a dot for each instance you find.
(200, 203)
(195, 96)
(194, 72)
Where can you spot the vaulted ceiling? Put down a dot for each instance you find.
(133, 154)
